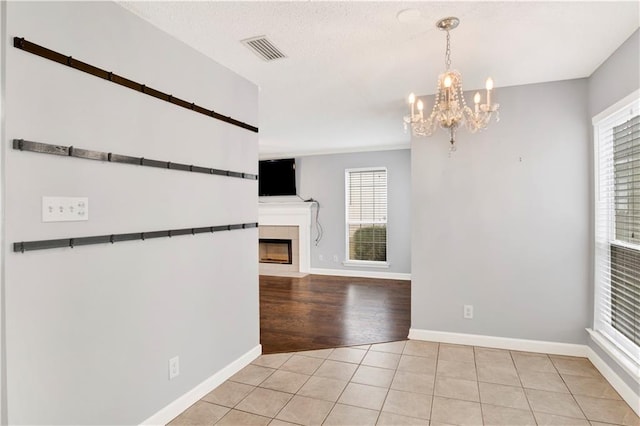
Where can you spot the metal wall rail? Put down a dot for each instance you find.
(23, 246)
(70, 151)
(43, 52)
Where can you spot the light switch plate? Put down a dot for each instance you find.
(65, 209)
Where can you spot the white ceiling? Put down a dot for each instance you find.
(351, 65)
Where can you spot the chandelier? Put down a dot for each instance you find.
(450, 110)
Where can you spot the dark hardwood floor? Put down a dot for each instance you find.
(318, 312)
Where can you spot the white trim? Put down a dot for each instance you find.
(622, 103)
(604, 235)
(630, 397)
(287, 154)
(361, 274)
(176, 407)
(540, 346)
(347, 192)
(365, 264)
(617, 354)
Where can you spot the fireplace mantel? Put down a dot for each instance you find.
(290, 213)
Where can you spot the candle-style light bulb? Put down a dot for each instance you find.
(476, 100)
(420, 107)
(412, 101)
(489, 86)
(447, 81)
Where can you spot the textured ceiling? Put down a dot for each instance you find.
(351, 65)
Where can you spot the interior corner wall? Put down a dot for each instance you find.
(500, 224)
(322, 177)
(90, 330)
(614, 79)
(3, 355)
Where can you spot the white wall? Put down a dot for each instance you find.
(322, 177)
(501, 224)
(616, 78)
(90, 330)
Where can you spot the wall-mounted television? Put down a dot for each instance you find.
(277, 177)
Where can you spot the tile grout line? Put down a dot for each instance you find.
(475, 364)
(258, 386)
(435, 377)
(515, 367)
(296, 394)
(347, 385)
(555, 367)
(384, 401)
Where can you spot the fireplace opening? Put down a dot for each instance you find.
(275, 251)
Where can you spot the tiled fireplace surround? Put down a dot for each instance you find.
(280, 220)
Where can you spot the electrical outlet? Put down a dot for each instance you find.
(174, 367)
(335, 258)
(468, 311)
(65, 209)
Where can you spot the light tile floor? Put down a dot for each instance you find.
(413, 383)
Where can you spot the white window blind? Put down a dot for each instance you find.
(366, 214)
(617, 262)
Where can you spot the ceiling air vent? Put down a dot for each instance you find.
(262, 47)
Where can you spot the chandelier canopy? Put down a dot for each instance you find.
(450, 110)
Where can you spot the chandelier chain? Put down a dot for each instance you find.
(447, 61)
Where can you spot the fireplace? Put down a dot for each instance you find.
(275, 250)
(287, 221)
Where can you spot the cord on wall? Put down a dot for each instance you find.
(319, 229)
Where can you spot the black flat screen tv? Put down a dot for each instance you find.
(277, 177)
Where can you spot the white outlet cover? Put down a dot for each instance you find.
(468, 311)
(174, 367)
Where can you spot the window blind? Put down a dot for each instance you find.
(367, 214)
(617, 262)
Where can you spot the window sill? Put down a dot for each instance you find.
(366, 264)
(626, 362)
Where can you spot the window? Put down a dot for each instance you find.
(617, 262)
(366, 214)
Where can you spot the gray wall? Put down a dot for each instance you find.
(616, 78)
(90, 330)
(322, 177)
(501, 223)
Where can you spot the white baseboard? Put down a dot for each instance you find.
(361, 274)
(554, 348)
(176, 407)
(618, 384)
